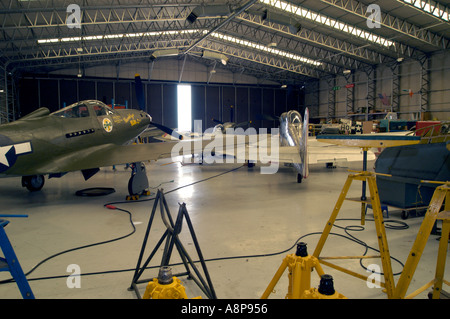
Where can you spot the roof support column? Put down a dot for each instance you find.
(7, 95)
(350, 94)
(395, 96)
(331, 82)
(312, 97)
(371, 86)
(424, 83)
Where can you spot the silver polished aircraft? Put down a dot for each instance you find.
(295, 146)
(294, 133)
(301, 150)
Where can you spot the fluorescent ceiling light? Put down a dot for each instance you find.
(214, 55)
(264, 48)
(208, 11)
(167, 52)
(428, 6)
(325, 20)
(221, 36)
(115, 36)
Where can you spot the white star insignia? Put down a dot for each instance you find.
(3, 151)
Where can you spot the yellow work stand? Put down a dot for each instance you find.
(441, 194)
(374, 200)
(300, 265)
(365, 142)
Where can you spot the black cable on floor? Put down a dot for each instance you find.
(352, 238)
(388, 225)
(80, 247)
(347, 228)
(113, 207)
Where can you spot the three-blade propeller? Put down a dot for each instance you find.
(141, 102)
(232, 123)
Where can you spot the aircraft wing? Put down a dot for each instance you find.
(320, 152)
(151, 132)
(286, 154)
(111, 154)
(317, 153)
(370, 140)
(259, 148)
(349, 147)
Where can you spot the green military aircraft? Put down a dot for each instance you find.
(84, 136)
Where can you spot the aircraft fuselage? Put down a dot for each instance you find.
(37, 142)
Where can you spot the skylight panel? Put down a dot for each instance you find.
(429, 8)
(323, 19)
(115, 36)
(261, 47)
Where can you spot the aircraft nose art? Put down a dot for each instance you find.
(9, 151)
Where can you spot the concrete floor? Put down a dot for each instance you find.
(240, 213)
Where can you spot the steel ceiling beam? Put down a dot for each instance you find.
(23, 26)
(221, 24)
(431, 8)
(291, 45)
(336, 25)
(253, 56)
(54, 55)
(326, 41)
(393, 23)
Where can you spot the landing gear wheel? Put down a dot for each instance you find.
(33, 183)
(405, 214)
(330, 165)
(138, 183)
(250, 164)
(299, 178)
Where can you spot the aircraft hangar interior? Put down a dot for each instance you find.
(245, 150)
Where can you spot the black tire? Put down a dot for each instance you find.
(405, 214)
(33, 183)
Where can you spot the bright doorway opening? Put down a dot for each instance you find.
(184, 108)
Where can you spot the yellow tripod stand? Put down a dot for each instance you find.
(374, 199)
(300, 266)
(441, 195)
(165, 286)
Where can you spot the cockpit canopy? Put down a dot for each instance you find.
(82, 109)
(291, 118)
(294, 117)
(219, 128)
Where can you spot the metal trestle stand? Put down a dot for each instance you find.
(172, 240)
(374, 200)
(441, 197)
(300, 265)
(11, 263)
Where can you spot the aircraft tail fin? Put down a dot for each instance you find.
(304, 144)
(139, 92)
(140, 95)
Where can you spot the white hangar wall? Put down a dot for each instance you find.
(328, 103)
(167, 69)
